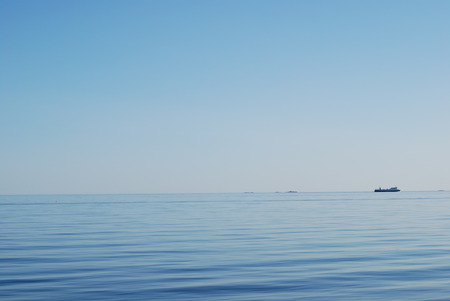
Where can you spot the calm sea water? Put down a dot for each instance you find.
(271, 246)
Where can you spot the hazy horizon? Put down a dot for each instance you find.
(120, 97)
(299, 193)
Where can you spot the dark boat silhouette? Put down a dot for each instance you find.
(392, 189)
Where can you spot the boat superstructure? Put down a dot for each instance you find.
(392, 189)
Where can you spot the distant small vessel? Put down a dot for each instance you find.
(392, 189)
(292, 191)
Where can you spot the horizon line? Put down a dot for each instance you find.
(238, 192)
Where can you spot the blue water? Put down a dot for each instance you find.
(271, 246)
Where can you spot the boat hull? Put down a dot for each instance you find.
(387, 190)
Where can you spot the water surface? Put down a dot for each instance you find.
(259, 246)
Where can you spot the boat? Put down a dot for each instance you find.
(392, 189)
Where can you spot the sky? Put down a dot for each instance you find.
(167, 96)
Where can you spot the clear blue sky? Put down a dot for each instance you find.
(110, 96)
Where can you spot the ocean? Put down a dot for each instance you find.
(249, 246)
